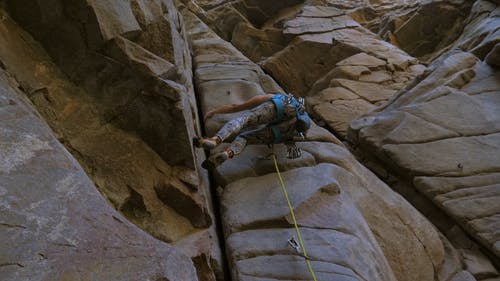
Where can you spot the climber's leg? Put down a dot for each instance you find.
(216, 159)
(263, 135)
(259, 136)
(262, 114)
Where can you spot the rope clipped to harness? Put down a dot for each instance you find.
(291, 241)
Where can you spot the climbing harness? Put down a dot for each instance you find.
(291, 241)
(276, 134)
(279, 102)
(303, 120)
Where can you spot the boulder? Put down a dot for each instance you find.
(117, 69)
(337, 239)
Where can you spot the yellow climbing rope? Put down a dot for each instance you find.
(283, 187)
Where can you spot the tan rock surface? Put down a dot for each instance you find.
(369, 82)
(336, 200)
(481, 31)
(451, 145)
(317, 54)
(116, 82)
(419, 31)
(127, 107)
(55, 225)
(328, 46)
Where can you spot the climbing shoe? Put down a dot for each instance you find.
(215, 160)
(206, 143)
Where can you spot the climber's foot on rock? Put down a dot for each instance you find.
(206, 143)
(215, 160)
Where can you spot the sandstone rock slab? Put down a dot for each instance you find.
(312, 192)
(54, 216)
(464, 147)
(354, 87)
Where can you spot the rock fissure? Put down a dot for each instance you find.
(12, 225)
(11, 264)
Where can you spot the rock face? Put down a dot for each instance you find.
(410, 86)
(357, 85)
(442, 132)
(119, 96)
(318, 50)
(423, 29)
(324, 37)
(339, 204)
(55, 225)
(112, 50)
(447, 140)
(345, 69)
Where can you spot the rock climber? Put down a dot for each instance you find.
(283, 115)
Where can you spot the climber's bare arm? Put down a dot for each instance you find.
(249, 104)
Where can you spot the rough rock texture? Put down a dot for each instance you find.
(127, 111)
(447, 140)
(227, 16)
(324, 37)
(339, 204)
(110, 49)
(481, 33)
(442, 135)
(318, 49)
(493, 57)
(345, 69)
(114, 82)
(424, 28)
(54, 224)
(355, 86)
(322, 50)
